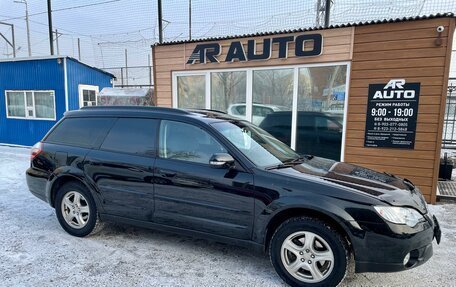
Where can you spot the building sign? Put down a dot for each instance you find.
(210, 52)
(392, 110)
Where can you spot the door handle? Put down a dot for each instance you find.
(168, 174)
(134, 169)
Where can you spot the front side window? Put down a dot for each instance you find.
(31, 104)
(186, 142)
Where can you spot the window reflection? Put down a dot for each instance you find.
(191, 92)
(228, 92)
(321, 98)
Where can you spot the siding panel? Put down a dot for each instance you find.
(30, 75)
(337, 47)
(408, 51)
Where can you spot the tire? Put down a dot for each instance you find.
(77, 217)
(322, 260)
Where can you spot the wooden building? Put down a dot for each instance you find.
(371, 94)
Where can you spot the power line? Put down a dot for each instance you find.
(64, 9)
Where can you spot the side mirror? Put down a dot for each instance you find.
(221, 160)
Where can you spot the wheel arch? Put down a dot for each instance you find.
(63, 179)
(288, 213)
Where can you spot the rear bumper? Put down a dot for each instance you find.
(386, 253)
(37, 183)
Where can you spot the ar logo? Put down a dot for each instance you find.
(394, 89)
(395, 84)
(205, 51)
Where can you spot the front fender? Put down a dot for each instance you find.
(295, 205)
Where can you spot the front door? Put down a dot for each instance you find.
(192, 195)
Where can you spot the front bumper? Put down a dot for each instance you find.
(385, 252)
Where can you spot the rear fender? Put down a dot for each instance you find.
(67, 173)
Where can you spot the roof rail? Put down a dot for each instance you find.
(140, 108)
(205, 110)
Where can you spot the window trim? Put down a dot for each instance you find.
(81, 88)
(26, 117)
(249, 91)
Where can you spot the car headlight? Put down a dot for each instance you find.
(400, 215)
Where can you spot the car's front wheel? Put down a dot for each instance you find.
(307, 252)
(76, 209)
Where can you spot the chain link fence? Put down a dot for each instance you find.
(449, 123)
(137, 76)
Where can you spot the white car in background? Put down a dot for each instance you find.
(259, 111)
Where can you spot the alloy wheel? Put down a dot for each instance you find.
(307, 257)
(75, 209)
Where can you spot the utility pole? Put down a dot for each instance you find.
(51, 34)
(13, 41)
(327, 11)
(29, 45)
(79, 49)
(160, 22)
(323, 13)
(189, 19)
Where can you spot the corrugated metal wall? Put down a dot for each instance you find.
(43, 74)
(29, 75)
(80, 74)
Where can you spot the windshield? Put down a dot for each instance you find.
(260, 147)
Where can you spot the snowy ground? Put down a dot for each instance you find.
(35, 251)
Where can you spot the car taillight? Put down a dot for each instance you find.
(36, 150)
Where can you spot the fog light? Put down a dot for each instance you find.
(406, 259)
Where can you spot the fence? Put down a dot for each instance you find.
(449, 123)
(137, 76)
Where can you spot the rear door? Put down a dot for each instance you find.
(122, 168)
(192, 195)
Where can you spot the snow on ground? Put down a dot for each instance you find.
(35, 251)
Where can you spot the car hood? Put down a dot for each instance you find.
(384, 186)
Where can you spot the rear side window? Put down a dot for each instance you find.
(135, 136)
(81, 132)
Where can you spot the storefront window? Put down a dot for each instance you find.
(321, 97)
(191, 92)
(228, 92)
(319, 94)
(273, 92)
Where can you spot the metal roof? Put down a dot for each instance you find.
(353, 24)
(38, 58)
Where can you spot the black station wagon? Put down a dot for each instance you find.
(206, 174)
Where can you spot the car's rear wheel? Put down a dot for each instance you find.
(307, 252)
(76, 209)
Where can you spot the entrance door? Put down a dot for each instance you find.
(88, 95)
(192, 195)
